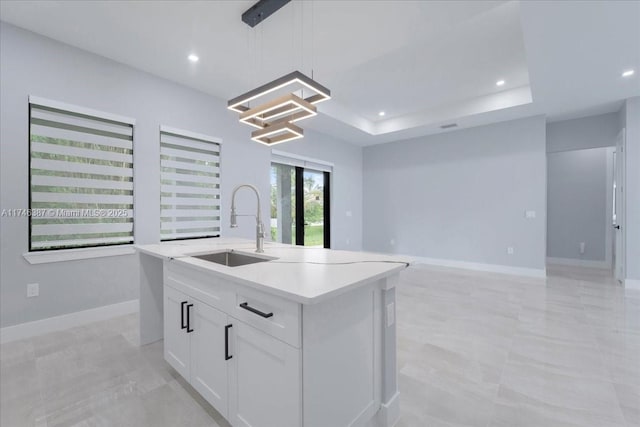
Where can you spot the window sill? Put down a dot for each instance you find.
(76, 254)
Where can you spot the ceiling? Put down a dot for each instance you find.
(424, 63)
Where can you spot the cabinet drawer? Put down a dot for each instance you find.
(199, 285)
(275, 316)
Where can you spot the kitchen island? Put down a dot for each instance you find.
(291, 337)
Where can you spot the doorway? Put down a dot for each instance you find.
(300, 205)
(580, 208)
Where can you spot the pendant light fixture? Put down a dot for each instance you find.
(288, 107)
(273, 107)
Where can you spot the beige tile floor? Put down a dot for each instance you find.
(489, 350)
(475, 349)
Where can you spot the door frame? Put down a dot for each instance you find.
(609, 225)
(326, 208)
(619, 269)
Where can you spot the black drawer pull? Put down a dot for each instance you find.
(182, 324)
(226, 342)
(245, 305)
(189, 318)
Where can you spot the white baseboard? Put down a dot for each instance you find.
(387, 415)
(579, 263)
(390, 411)
(66, 321)
(632, 284)
(492, 268)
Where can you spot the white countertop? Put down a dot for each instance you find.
(302, 274)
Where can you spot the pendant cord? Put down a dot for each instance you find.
(302, 36)
(313, 37)
(255, 60)
(293, 35)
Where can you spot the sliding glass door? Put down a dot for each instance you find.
(300, 207)
(313, 205)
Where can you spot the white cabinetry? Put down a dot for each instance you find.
(209, 359)
(265, 387)
(251, 377)
(194, 345)
(176, 340)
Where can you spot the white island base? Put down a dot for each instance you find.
(265, 355)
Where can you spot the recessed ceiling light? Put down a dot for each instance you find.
(500, 83)
(628, 73)
(381, 113)
(193, 58)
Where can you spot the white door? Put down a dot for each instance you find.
(265, 382)
(209, 360)
(619, 268)
(176, 338)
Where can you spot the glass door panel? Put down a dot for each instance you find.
(313, 199)
(283, 203)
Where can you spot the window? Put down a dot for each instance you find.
(190, 185)
(81, 177)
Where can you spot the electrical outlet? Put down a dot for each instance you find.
(348, 241)
(391, 314)
(392, 242)
(349, 213)
(582, 247)
(529, 214)
(510, 250)
(33, 290)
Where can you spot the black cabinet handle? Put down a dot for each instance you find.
(226, 342)
(245, 305)
(189, 318)
(182, 324)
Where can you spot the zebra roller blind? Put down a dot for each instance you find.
(190, 185)
(81, 177)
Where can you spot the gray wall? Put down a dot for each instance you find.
(460, 195)
(577, 208)
(33, 65)
(586, 132)
(631, 113)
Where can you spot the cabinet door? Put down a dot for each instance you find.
(265, 382)
(209, 366)
(176, 338)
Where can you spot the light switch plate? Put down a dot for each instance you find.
(510, 250)
(391, 314)
(530, 214)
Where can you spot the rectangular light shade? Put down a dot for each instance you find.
(277, 133)
(287, 108)
(321, 93)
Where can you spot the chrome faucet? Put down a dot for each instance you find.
(259, 224)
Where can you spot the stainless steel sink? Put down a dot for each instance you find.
(232, 258)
